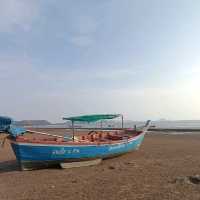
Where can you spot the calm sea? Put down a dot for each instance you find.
(182, 124)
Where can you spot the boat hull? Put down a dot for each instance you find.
(32, 155)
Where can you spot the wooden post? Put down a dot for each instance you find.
(42, 133)
(68, 165)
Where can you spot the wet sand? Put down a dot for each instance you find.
(148, 173)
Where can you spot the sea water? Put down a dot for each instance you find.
(164, 124)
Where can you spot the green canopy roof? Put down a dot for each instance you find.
(92, 118)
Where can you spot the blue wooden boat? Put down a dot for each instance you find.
(47, 149)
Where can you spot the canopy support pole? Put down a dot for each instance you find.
(122, 121)
(73, 129)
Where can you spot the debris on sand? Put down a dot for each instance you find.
(130, 163)
(195, 179)
(188, 179)
(182, 180)
(111, 167)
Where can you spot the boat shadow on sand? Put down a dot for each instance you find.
(13, 166)
(9, 166)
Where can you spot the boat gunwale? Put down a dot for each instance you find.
(70, 144)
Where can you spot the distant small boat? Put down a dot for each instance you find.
(48, 149)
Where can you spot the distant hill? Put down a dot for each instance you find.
(32, 123)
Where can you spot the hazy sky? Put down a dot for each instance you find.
(136, 57)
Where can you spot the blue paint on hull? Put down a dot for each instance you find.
(26, 152)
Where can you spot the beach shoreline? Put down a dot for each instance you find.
(148, 173)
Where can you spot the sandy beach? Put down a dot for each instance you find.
(150, 173)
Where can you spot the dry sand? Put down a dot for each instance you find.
(148, 173)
